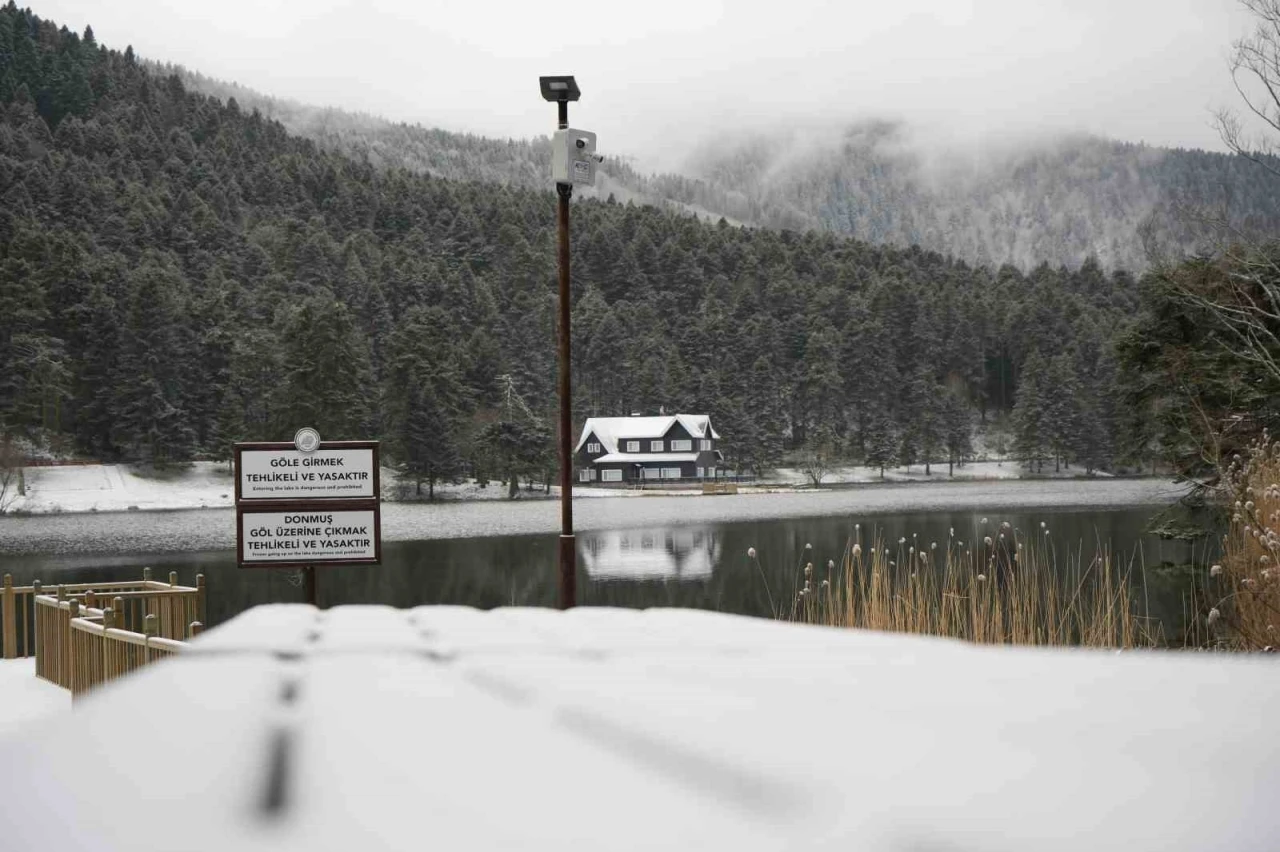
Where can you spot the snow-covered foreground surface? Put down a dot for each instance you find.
(368, 727)
(170, 532)
(25, 698)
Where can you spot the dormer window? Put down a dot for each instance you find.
(655, 446)
(593, 448)
(633, 446)
(681, 446)
(704, 444)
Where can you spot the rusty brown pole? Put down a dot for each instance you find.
(310, 577)
(568, 546)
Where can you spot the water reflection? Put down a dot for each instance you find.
(701, 565)
(659, 553)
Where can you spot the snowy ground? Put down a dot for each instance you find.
(294, 729)
(202, 485)
(937, 473)
(25, 698)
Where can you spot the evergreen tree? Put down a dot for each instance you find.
(1030, 429)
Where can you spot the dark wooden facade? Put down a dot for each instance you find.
(705, 465)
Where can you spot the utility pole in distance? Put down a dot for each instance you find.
(573, 161)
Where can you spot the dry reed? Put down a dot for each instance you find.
(1244, 587)
(1003, 587)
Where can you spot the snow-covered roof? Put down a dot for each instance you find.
(614, 458)
(300, 730)
(610, 430)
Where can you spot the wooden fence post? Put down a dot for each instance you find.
(200, 593)
(196, 629)
(173, 579)
(117, 614)
(149, 630)
(146, 575)
(8, 618)
(73, 675)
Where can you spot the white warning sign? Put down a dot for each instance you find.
(291, 475)
(307, 536)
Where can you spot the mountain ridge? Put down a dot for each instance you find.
(1058, 199)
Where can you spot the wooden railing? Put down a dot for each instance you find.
(174, 606)
(99, 652)
(85, 634)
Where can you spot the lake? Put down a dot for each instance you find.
(633, 551)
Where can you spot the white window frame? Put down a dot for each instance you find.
(655, 446)
(704, 445)
(711, 473)
(702, 473)
(651, 473)
(607, 475)
(593, 447)
(633, 446)
(584, 475)
(681, 446)
(670, 473)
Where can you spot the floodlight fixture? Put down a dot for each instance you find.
(563, 88)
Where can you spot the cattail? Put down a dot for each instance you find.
(1248, 582)
(1264, 559)
(982, 578)
(1215, 570)
(1046, 532)
(924, 557)
(987, 541)
(831, 565)
(826, 585)
(808, 571)
(857, 551)
(984, 521)
(1042, 525)
(951, 533)
(808, 546)
(1214, 615)
(933, 545)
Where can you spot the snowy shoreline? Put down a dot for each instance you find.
(209, 485)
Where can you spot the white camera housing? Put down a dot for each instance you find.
(573, 157)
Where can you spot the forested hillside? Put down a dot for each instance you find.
(1054, 200)
(177, 274)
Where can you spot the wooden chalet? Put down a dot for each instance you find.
(619, 450)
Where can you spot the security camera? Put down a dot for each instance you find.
(599, 158)
(582, 143)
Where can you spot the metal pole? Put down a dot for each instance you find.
(568, 546)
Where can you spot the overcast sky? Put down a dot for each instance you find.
(658, 74)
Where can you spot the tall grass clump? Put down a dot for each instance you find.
(1004, 587)
(1244, 587)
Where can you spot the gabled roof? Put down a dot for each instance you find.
(610, 430)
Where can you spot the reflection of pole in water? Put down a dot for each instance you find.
(682, 553)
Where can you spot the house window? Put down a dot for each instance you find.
(704, 445)
(655, 446)
(702, 472)
(584, 476)
(610, 476)
(671, 473)
(593, 448)
(633, 446)
(681, 446)
(711, 473)
(652, 473)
